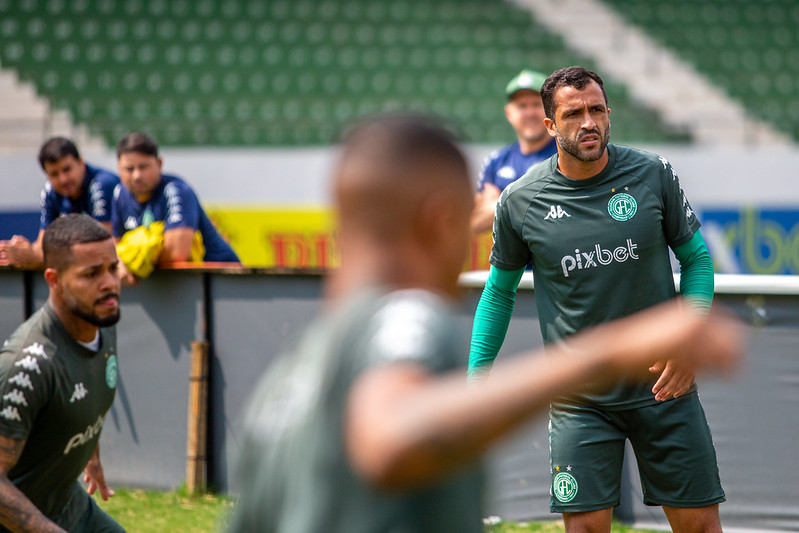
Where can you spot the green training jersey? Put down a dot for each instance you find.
(54, 395)
(294, 475)
(598, 247)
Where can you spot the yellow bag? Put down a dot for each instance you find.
(141, 248)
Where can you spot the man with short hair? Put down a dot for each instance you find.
(368, 424)
(525, 113)
(146, 196)
(597, 221)
(73, 186)
(58, 376)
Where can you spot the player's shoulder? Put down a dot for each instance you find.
(175, 185)
(100, 175)
(532, 182)
(30, 346)
(409, 324)
(627, 156)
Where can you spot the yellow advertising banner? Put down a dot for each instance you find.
(298, 237)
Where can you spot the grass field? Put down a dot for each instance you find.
(160, 512)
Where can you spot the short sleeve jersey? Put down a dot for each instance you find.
(599, 247)
(54, 395)
(293, 473)
(174, 203)
(94, 200)
(505, 166)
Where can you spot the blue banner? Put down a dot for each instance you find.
(751, 240)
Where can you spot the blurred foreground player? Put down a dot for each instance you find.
(368, 426)
(73, 186)
(58, 374)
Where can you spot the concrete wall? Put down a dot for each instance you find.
(251, 317)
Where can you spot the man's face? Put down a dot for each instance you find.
(66, 175)
(140, 174)
(89, 286)
(582, 122)
(525, 112)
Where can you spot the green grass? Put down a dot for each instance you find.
(157, 512)
(145, 511)
(551, 527)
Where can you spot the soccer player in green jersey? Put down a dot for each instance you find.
(367, 425)
(597, 221)
(58, 375)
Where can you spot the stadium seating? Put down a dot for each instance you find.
(284, 72)
(751, 49)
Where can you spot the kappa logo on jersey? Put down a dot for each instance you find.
(16, 397)
(29, 363)
(622, 207)
(599, 256)
(79, 439)
(556, 212)
(507, 172)
(97, 199)
(11, 413)
(79, 393)
(35, 349)
(22, 380)
(131, 223)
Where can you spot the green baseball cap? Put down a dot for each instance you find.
(526, 79)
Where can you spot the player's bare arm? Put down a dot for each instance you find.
(21, 253)
(17, 512)
(95, 477)
(405, 428)
(177, 245)
(485, 204)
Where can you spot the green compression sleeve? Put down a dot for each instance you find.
(696, 273)
(491, 319)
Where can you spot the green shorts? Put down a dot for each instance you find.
(672, 444)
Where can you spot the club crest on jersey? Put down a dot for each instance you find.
(111, 371)
(622, 207)
(564, 487)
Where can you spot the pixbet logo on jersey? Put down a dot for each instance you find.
(599, 256)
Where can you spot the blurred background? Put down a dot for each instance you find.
(247, 99)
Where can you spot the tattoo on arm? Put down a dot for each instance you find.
(17, 512)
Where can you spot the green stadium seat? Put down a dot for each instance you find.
(286, 71)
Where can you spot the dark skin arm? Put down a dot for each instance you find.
(17, 512)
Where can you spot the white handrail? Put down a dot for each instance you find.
(724, 283)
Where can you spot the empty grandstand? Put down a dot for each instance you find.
(237, 73)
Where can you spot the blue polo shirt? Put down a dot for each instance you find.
(94, 200)
(503, 167)
(175, 203)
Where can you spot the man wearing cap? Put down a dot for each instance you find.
(525, 113)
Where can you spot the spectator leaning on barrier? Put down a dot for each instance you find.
(525, 113)
(58, 377)
(73, 186)
(157, 218)
(369, 425)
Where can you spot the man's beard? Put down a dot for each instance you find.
(92, 318)
(573, 147)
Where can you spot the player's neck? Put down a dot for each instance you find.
(78, 328)
(576, 169)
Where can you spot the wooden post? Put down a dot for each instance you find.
(196, 439)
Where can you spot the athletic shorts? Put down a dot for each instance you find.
(672, 444)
